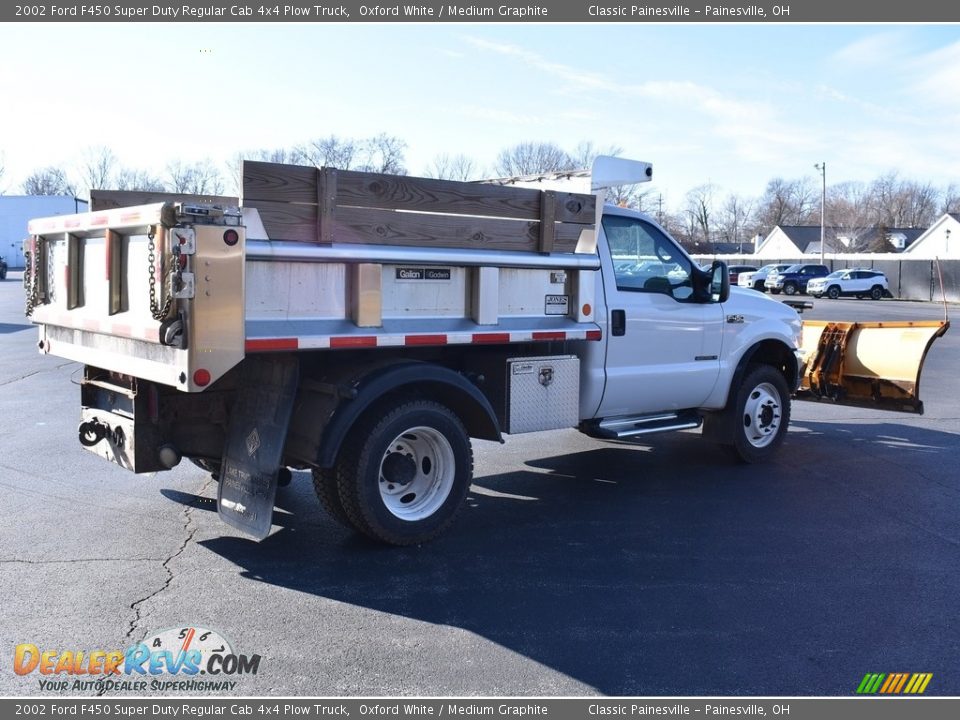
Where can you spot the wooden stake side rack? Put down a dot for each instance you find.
(326, 205)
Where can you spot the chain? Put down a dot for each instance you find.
(30, 285)
(159, 312)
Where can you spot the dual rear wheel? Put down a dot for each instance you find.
(403, 476)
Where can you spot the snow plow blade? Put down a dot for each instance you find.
(866, 364)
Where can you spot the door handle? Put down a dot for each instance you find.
(618, 322)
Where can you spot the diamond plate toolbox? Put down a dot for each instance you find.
(543, 393)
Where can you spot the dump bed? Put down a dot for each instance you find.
(179, 291)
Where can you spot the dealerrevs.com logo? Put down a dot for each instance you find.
(186, 659)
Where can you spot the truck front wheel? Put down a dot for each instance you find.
(761, 413)
(406, 472)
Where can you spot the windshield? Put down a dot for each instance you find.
(836, 274)
(792, 269)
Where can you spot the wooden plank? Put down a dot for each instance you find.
(289, 221)
(548, 213)
(274, 182)
(399, 192)
(327, 201)
(298, 222)
(383, 227)
(110, 199)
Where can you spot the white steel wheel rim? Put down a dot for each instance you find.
(417, 473)
(762, 414)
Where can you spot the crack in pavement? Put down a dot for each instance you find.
(190, 532)
(36, 372)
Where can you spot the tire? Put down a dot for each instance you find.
(876, 292)
(761, 414)
(406, 472)
(759, 286)
(789, 289)
(833, 292)
(774, 291)
(325, 487)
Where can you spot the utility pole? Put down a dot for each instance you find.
(822, 167)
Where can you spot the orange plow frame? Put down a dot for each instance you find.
(867, 364)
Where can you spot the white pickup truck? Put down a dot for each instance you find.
(365, 327)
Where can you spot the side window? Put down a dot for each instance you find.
(645, 260)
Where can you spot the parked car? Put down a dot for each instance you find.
(794, 279)
(858, 282)
(734, 272)
(3, 268)
(756, 279)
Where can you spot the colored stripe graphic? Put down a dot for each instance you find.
(894, 683)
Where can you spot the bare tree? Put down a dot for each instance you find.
(97, 168)
(789, 202)
(950, 199)
(850, 213)
(200, 178)
(48, 181)
(132, 179)
(384, 154)
(453, 167)
(530, 158)
(330, 151)
(734, 218)
(700, 209)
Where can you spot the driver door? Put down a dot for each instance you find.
(663, 346)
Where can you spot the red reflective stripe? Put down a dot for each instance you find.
(257, 344)
(425, 340)
(491, 337)
(127, 217)
(99, 220)
(594, 334)
(351, 341)
(549, 336)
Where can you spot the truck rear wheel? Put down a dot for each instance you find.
(761, 413)
(325, 487)
(404, 476)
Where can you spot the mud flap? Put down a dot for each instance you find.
(866, 364)
(258, 429)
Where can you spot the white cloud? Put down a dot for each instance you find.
(939, 75)
(879, 49)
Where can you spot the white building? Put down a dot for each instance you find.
(17, 210)
(941, 240)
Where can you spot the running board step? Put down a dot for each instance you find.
(623, 427)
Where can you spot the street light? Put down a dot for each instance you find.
(822, 167)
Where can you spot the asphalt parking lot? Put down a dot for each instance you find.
(657, 567)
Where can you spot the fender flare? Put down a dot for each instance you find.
(717, 424)
(793, 368)
(433, 381)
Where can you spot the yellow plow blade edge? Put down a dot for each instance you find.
(866, 364)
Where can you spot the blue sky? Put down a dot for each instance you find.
(733, 105)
